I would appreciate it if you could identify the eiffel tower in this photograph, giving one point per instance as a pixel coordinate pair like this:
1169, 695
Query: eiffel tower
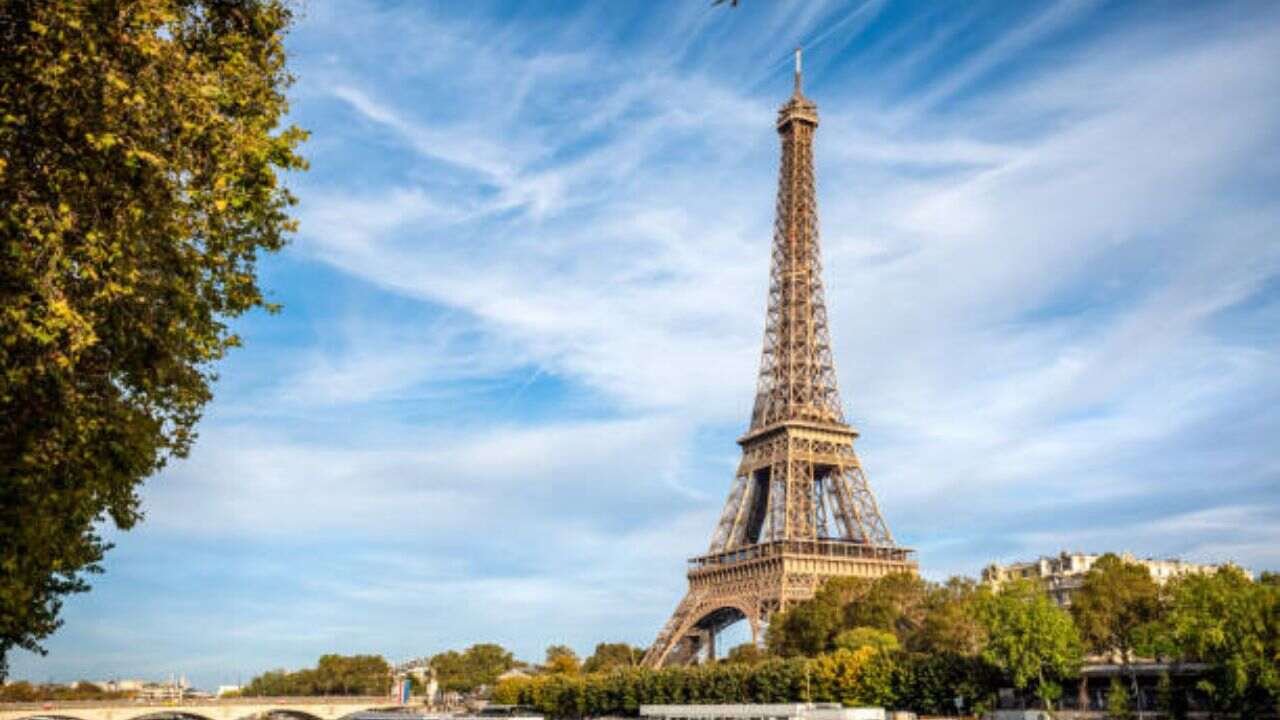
800, 510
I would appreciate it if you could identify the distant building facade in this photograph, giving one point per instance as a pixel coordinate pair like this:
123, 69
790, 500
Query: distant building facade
170, 689
1063, 574
121, 686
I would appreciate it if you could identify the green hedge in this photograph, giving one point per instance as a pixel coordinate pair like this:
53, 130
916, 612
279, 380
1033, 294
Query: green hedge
924, 683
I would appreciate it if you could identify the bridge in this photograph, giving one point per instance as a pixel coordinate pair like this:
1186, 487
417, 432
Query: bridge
301, 708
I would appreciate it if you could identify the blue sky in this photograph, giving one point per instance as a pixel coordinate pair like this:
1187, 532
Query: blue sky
523, 313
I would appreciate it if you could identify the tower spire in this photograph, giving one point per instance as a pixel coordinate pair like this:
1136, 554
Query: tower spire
798, 74
797, 373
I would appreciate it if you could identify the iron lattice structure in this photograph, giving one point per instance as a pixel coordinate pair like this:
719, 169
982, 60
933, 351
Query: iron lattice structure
800, 509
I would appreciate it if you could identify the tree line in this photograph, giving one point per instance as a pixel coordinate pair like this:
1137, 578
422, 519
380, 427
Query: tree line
23, 691
903, 642
477, 668
332, 675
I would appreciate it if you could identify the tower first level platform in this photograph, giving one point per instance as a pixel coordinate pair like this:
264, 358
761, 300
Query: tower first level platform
753, 583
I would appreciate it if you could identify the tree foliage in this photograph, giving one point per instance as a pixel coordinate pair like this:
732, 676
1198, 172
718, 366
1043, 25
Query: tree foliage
478, 665
608, 656
922, 616
26, 692
950, 623
866, 637
562, 660
895, 603
862, 677
1118, 705
1233, 624
1115, 606
955, 640
1031, 640
140, 156
332, 675
808, 628
748, 653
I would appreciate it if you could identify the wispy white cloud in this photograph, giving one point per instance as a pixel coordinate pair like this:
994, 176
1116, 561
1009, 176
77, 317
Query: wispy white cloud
968, 305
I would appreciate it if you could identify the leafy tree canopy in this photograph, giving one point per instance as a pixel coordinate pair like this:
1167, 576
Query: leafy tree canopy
22, 691
478, 665
562, 660
922, 616
895, 603
1115, 606
925, 683
333, 675
1232, 623
748, 653
809, 627
866, 637
1031, 640
140, 161
950, 624
611, 655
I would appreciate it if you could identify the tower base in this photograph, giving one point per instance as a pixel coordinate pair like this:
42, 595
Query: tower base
754, 582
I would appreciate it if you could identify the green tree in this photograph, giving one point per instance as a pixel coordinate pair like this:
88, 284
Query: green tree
925, 617
140, 157
1031, 640
929, 683
1233, 624
352, 675
949, 624
81, 690
839, 676
809, 627
512, 691
748, 653
478, 665
562, 660
608, 656
1115, 606
1118, 707
1115, 609
803, 630
451, 671
895, 603
866, 637
332, 675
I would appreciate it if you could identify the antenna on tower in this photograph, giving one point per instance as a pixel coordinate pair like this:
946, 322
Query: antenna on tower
797, 71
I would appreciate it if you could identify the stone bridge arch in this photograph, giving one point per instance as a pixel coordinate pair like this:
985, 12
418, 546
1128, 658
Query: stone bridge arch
141, 713
243, 709
35, 714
